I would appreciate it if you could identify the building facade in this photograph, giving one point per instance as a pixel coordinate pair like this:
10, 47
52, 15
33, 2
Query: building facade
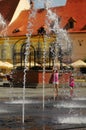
71, 18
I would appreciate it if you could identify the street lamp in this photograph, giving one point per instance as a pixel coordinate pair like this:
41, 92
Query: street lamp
60, 56
39, 54
41, 33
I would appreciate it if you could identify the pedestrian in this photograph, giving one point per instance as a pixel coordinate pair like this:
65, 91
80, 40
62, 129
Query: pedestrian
55, 82
71, 84
10, 79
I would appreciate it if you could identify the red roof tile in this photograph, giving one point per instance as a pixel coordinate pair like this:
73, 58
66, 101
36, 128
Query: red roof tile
21, 23
75, 9
7, 8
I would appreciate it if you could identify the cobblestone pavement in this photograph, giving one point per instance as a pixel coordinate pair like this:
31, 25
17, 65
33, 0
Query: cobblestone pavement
6, 92
57, 115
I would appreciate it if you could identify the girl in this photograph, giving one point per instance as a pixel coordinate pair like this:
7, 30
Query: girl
55, 82
71, 84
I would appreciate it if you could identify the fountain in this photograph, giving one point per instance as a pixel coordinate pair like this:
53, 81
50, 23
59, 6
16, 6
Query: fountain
27, 51
39, 111
2, 22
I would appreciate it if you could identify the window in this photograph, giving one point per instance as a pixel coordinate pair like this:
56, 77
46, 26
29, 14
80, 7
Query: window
84, 28
16, 30
70, 24
41, 31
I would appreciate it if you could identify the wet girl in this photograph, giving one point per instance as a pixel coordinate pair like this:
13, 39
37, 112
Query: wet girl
71, 84
55, 82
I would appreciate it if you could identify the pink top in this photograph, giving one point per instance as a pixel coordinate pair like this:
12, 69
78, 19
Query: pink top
71, 82
55, 77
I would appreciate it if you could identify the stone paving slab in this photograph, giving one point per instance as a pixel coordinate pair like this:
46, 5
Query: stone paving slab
6, 92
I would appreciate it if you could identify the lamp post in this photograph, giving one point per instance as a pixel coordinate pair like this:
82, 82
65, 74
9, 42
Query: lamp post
60, 57
39, 53
41, 33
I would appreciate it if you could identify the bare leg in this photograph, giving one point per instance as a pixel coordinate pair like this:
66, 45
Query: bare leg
71, 92
55, 91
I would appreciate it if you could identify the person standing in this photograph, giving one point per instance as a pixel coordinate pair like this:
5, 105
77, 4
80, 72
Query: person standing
55, 82
71, 84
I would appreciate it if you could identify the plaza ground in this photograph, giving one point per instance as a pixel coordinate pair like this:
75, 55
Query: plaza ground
52, 117
7, 92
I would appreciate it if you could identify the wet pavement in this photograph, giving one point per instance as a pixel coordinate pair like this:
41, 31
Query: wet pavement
65, 113
17, 92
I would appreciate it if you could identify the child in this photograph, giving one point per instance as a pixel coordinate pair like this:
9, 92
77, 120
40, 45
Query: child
71, 84
55, 82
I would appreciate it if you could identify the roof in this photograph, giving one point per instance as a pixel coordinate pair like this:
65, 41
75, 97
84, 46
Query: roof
7, 9
74, 9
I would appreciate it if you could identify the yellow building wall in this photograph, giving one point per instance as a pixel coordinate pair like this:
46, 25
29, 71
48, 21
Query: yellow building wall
78, 46
78, 41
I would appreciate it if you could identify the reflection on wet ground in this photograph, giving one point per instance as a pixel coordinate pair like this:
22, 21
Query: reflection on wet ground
62, 114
